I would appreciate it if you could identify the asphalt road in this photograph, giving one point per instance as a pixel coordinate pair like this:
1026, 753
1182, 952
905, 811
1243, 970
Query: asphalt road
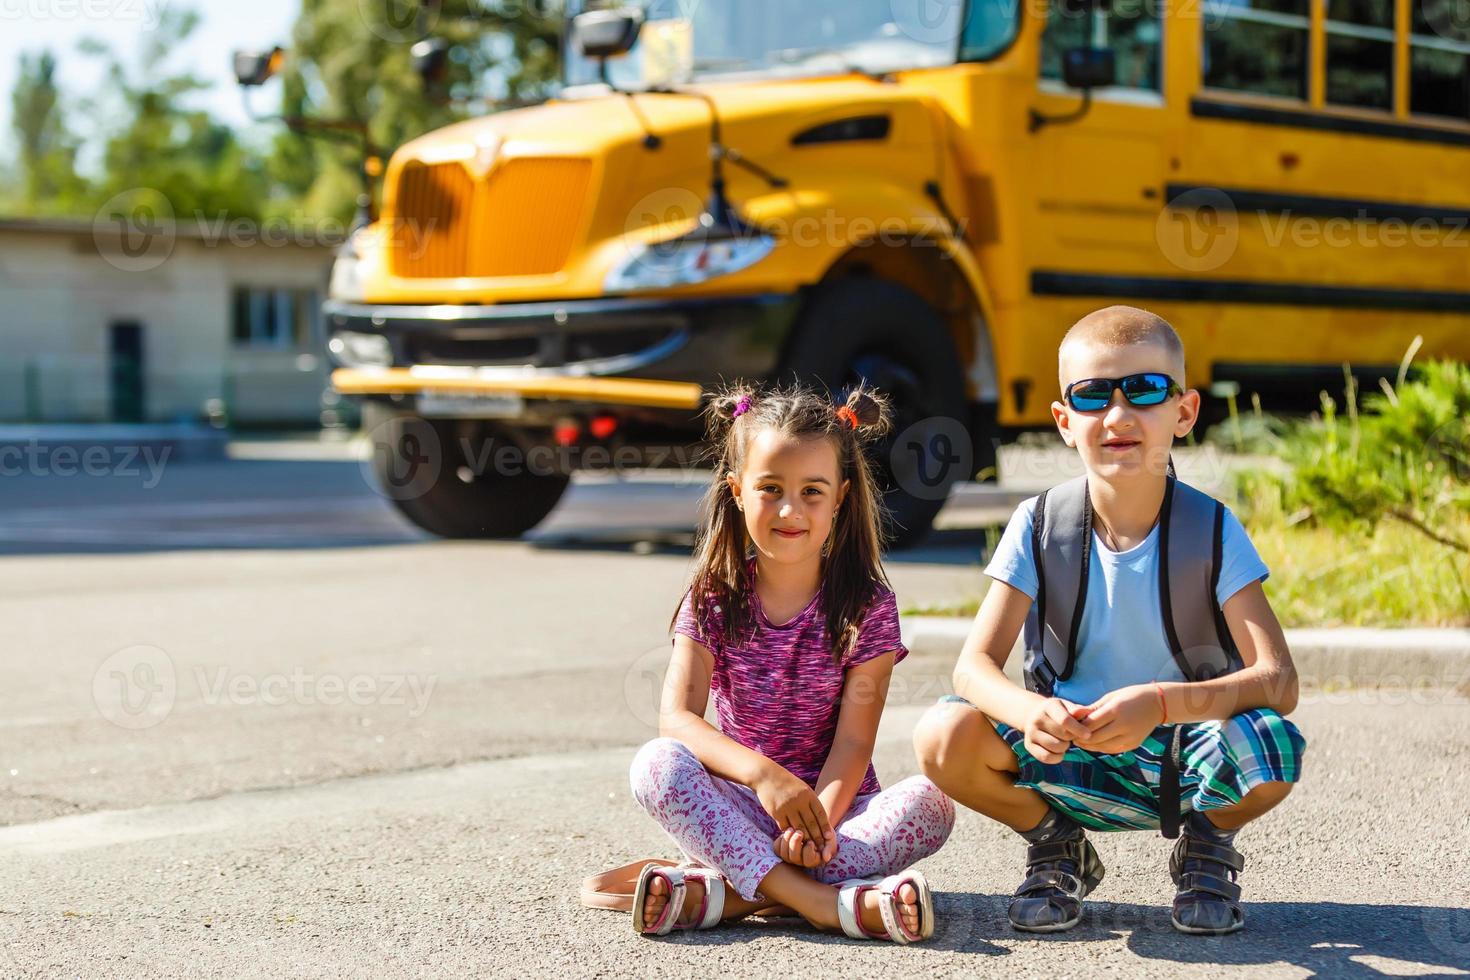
259, 726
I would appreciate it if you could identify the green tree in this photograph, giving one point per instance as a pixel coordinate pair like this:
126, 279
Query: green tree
48, 182
351, 60
158, 141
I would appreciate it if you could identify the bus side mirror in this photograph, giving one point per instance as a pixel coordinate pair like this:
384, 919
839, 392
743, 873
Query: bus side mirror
602, 34
430, 59
255, 68
1086, 68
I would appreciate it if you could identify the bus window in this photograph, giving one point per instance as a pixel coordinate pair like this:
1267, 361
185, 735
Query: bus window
1257, 46
989, 29
1360, 45
1130, 28
1439, 59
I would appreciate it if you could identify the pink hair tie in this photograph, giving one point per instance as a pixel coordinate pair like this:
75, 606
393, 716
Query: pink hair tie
741, 407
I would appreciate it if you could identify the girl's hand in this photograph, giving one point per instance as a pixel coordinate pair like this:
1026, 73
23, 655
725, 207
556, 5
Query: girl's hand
1052, 728
1120, 720
793, 848
794, 806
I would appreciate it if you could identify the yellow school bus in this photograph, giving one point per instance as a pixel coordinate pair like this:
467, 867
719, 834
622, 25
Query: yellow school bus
923, 193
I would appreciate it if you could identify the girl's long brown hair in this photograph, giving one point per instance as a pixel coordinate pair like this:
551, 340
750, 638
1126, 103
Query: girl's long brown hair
853, 570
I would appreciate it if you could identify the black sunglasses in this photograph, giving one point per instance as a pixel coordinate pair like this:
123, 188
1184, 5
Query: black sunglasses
1095, 394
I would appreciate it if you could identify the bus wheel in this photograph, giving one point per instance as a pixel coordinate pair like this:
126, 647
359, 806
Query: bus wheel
442, 474
880, 332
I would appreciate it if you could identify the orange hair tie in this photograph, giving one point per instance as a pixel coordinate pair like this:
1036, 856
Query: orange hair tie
849, 416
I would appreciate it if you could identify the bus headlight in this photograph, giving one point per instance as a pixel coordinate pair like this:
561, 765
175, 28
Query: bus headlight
346, 281
360, 350
686, 262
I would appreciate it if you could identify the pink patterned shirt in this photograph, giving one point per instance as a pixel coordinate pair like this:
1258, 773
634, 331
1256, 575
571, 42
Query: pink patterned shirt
778, 692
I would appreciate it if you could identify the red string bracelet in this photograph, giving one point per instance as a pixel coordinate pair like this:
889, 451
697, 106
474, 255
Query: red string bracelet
1163, 705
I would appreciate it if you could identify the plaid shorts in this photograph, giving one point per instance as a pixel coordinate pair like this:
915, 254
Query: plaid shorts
1219, 762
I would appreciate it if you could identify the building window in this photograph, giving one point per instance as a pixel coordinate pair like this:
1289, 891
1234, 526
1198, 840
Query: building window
1360, 45
1130, 28
1258, 46
1439, 59
281, 319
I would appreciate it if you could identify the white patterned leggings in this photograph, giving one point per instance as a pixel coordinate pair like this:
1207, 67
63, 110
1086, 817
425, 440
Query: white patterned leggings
720, 824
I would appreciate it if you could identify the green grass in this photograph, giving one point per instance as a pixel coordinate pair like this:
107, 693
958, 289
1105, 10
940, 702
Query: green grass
1390, 576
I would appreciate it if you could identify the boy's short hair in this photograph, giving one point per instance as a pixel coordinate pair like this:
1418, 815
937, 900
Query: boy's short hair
1123, 326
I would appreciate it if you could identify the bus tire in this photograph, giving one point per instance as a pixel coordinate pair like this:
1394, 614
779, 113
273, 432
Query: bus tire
424, 467
888, 335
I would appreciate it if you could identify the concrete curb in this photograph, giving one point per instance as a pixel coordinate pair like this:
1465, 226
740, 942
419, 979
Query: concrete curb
38, 444
1326, 659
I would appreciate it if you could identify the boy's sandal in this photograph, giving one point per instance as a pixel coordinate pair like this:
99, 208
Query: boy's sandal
850, 892
1059, 874
1208, 899
710, 911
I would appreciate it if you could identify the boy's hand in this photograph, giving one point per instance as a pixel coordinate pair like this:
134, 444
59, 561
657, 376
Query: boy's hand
793, 848
794, 805
1120, 720
1052, 728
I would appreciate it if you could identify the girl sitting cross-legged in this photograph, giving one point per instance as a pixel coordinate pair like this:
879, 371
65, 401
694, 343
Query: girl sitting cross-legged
790, 625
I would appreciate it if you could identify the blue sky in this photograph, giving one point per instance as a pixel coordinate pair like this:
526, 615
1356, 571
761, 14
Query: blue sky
60, 24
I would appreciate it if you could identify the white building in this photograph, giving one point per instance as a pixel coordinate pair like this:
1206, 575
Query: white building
110, 322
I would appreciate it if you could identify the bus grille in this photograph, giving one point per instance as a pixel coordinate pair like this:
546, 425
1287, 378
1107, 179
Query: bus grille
521, 220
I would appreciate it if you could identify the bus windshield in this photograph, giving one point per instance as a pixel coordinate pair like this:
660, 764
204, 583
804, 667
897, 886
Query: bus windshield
683, 40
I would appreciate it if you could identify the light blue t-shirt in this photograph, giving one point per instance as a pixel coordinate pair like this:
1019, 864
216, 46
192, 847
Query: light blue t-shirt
1121, 640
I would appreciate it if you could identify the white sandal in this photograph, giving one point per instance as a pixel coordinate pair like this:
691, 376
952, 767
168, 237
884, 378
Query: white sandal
711, 910
849, 892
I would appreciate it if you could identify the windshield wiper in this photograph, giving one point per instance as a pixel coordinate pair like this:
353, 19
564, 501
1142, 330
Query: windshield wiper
798, 57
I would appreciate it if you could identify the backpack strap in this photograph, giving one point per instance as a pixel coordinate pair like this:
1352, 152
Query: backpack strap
1191, 544
1061, 541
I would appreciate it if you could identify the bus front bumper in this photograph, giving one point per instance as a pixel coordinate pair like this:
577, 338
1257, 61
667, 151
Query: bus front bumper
654, 353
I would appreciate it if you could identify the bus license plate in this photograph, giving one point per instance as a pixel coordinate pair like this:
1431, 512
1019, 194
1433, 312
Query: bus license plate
435, 405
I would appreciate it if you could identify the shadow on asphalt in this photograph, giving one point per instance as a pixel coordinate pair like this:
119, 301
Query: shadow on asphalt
953, 546
1328, 939
314, 504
